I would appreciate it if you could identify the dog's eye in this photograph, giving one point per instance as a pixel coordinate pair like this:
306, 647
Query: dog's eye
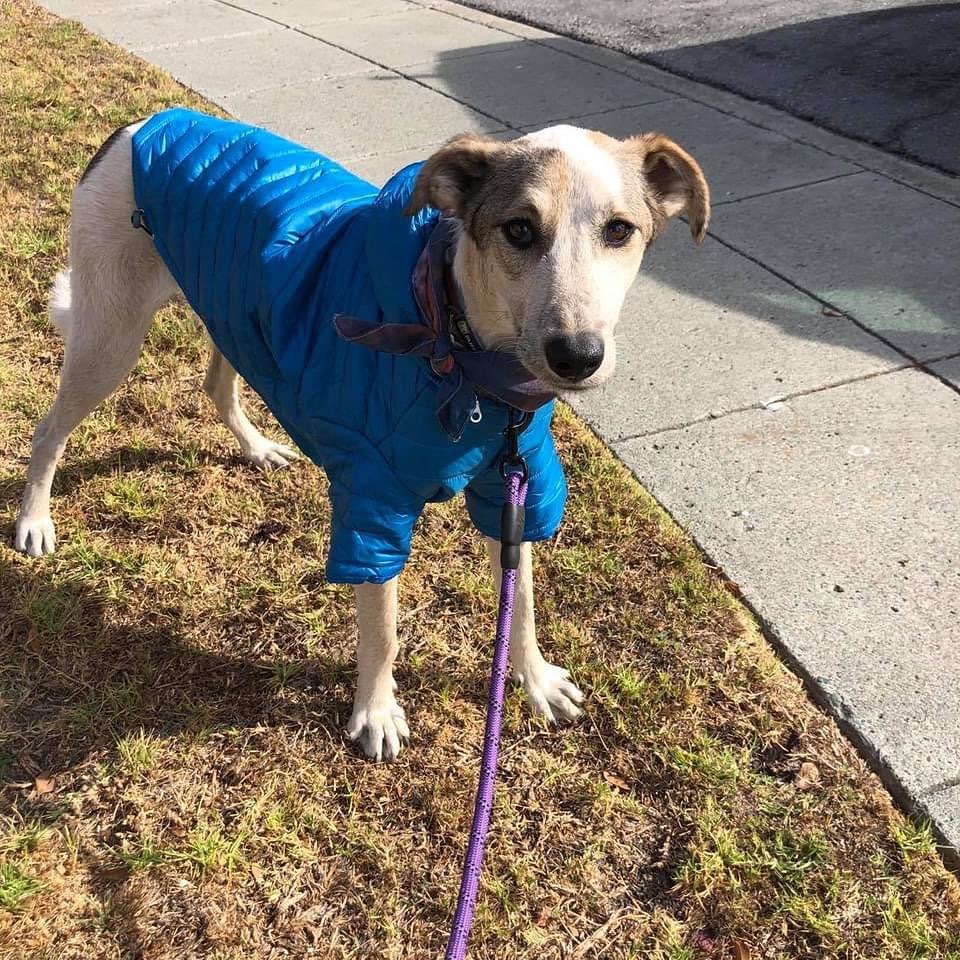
617, 232
519, 233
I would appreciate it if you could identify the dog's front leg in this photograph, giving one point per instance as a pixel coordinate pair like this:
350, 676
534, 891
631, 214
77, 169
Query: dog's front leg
378, 723
550, 690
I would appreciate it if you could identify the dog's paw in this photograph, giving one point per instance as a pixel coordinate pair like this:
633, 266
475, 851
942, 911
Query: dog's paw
269, 455
379, 731
35, 536
551, 693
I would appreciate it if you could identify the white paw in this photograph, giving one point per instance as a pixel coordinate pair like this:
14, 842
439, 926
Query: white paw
35, 535
268, 455
379, 731
551, 692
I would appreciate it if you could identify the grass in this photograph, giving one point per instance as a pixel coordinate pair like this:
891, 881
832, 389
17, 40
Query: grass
182, 672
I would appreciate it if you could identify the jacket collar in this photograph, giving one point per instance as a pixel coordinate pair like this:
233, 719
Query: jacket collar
393, 244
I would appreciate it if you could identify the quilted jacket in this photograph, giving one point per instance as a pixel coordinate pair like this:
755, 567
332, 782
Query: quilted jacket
268, 241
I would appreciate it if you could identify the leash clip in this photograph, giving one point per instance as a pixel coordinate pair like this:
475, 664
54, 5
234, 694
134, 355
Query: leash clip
512, 461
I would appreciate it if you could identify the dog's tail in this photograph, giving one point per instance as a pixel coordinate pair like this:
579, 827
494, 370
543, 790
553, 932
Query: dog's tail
60, 301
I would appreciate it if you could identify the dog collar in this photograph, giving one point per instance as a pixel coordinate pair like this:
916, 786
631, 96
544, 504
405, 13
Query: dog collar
437, 293
446, 289
463, 369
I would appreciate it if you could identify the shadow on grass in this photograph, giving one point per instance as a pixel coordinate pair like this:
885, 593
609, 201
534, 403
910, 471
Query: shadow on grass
76, 679
73, 472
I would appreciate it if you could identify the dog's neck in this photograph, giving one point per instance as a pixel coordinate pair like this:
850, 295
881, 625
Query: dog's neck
490, 324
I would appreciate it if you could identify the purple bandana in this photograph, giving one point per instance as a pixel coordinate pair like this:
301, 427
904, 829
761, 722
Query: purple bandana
465, 370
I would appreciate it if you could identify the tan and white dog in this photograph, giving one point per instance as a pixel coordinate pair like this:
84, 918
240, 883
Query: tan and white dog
553, 227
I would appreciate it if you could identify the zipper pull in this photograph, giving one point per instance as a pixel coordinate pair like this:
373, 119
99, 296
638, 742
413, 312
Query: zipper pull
476, 414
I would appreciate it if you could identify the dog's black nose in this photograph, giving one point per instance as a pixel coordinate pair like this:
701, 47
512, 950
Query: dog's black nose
574, 356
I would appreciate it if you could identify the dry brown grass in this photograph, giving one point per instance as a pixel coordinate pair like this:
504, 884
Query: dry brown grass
181, 672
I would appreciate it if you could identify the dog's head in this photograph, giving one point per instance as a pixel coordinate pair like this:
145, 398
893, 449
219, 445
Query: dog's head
554, 226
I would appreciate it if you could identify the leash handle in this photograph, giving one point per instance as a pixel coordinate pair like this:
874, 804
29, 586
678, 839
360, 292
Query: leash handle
514, 471
512, 513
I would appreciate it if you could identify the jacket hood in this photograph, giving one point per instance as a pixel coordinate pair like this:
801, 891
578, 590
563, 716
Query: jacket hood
394, 242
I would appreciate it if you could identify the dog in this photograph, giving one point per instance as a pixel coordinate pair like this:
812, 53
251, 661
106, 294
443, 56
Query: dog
541, 238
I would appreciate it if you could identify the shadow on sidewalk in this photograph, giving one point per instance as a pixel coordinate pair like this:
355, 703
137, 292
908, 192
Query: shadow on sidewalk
888, 75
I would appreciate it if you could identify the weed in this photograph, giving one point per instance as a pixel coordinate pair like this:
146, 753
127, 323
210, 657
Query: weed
16, 885
143, 856
209, 850
136, 753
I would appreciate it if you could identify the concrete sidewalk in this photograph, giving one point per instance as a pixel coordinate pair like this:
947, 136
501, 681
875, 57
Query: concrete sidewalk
790, 391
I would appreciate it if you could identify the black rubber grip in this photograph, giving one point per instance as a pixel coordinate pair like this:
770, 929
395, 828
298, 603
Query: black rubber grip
512, 522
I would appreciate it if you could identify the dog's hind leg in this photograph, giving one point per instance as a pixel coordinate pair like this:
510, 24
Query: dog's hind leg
100, 349
222, 385
103, 304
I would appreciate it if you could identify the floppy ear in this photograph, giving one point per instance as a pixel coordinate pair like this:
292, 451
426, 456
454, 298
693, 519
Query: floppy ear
677, 179
450, 175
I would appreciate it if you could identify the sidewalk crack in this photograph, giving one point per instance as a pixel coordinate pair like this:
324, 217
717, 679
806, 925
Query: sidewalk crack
913, 361
787, 189
759, 405
939, 787
813, 296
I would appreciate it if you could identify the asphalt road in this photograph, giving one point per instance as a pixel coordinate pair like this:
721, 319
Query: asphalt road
884, 72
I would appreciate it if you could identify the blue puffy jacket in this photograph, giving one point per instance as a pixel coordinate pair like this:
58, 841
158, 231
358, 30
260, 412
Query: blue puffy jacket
268, 240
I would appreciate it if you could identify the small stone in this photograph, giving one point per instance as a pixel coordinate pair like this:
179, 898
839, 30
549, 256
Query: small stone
809, 776
44, 785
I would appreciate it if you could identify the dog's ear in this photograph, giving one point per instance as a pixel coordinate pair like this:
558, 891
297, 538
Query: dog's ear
676, 178
449, 176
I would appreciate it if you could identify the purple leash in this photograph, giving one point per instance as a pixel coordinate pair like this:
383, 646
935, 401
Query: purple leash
514, 472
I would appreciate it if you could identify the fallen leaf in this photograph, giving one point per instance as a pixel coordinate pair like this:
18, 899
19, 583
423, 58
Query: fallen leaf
809, 776
741, 950
268, 532
616, 781
704, 942
830, 312
543, 918
44, 785
175, 825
